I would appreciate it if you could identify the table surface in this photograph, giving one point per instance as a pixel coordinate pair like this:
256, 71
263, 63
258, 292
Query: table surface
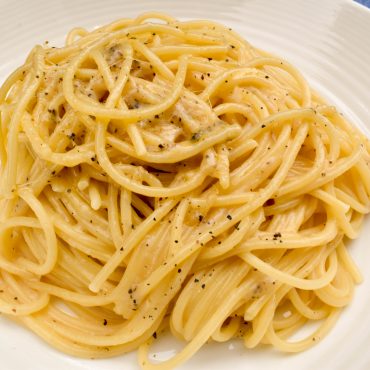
364, 2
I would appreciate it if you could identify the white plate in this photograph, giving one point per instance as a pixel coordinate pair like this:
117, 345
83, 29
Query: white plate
328, 40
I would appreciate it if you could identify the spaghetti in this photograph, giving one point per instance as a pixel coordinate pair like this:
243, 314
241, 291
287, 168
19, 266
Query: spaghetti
168, 175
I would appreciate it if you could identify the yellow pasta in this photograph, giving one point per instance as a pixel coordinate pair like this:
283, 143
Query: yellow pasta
166, 175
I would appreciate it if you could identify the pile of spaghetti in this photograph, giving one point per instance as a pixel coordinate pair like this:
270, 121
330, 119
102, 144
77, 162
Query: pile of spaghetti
168, 175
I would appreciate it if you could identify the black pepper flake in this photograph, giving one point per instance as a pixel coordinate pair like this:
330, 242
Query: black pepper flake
277, 235
179, 270
161, 146
156, 116
176, 241
121, 249
195, 136
203, 286
196, 280
105, 322
200, 218
263, 126
210, 59
269, 202
155, 335
229, 217
267, 76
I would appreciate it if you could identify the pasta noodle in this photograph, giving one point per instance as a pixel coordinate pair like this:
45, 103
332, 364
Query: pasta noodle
165, 175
